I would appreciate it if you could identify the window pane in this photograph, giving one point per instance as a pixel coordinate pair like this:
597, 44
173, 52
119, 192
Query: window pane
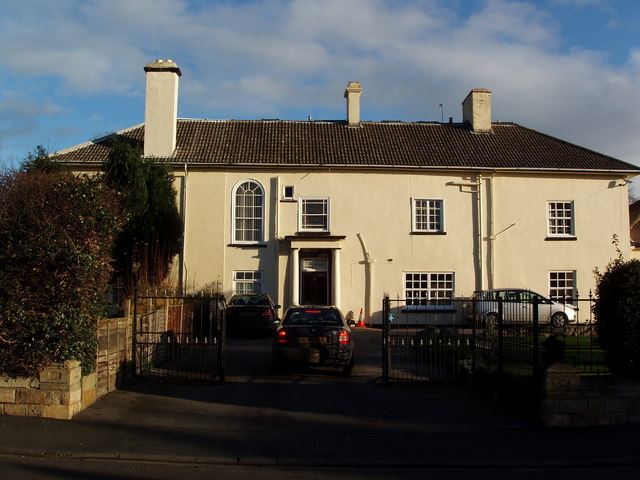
560, 216
247, 281
428, 215
428, 288
314, 214
248, 212
562, 286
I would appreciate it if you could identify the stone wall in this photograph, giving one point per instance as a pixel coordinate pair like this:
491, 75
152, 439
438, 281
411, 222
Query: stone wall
60, 391
569, 399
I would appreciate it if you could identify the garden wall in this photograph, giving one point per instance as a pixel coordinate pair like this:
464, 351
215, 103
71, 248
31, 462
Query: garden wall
60, 391
569, 399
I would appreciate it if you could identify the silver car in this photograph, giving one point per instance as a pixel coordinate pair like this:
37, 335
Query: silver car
517, 307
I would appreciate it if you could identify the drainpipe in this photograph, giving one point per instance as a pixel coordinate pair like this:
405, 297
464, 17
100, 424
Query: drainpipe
183, 266
479, 226
277, 243
492, 238
477, 189
368, 278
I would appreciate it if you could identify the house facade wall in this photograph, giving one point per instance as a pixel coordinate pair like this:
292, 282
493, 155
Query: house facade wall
499, 241
600, 212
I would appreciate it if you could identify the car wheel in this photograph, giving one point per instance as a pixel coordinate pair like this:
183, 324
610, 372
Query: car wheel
348, 368
558, 320
491, 320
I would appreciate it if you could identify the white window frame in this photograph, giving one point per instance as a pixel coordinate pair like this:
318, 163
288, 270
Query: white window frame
557, 219
237, 220
284, 192
303, 201
427, 291
434, 207
563, 286
243, 278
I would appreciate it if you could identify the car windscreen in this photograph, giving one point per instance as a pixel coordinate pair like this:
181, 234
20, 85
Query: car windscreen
319, 316
248, 300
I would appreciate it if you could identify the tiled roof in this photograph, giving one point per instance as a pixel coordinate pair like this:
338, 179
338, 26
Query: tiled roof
634, 223
375, 144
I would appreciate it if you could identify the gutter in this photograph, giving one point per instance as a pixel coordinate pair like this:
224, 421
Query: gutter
461, 168
627, 173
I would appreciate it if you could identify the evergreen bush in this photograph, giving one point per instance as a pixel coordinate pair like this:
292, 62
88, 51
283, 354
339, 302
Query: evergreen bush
617, 313
152, 234
56, 239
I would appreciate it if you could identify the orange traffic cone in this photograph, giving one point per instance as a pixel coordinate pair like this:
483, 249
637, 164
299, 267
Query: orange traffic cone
360, 321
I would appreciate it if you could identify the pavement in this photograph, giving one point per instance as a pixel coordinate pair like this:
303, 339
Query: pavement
309, 419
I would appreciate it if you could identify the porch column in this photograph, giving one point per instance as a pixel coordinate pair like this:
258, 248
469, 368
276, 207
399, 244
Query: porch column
335, 269
295, 276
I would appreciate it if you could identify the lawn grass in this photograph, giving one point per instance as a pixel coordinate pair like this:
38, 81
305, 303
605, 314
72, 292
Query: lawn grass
580, 351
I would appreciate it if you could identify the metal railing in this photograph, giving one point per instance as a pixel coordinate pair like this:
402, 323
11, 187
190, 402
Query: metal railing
508, 340
428, 345
179, 338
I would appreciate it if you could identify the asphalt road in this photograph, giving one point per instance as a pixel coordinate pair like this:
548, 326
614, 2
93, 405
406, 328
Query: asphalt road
307, 424
26, 468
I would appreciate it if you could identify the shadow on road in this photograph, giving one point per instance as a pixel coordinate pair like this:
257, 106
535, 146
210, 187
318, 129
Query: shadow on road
249, 357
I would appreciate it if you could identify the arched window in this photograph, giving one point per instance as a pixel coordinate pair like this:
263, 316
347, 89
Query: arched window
248, 212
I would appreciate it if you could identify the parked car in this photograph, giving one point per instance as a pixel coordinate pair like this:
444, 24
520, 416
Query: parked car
252, 313
311, 336
517, 307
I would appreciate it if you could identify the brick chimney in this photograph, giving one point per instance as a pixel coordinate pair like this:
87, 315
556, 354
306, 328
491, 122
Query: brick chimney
161, 108
352, 94
476, 110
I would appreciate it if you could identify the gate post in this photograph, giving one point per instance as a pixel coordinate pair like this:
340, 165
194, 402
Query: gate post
134, 332
474, 337
536, 339
500, 340
386, 311
222, 332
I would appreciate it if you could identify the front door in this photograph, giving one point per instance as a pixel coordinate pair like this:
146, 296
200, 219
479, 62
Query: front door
314, 280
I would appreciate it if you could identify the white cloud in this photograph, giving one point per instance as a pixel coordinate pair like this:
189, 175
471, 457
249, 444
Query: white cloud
272, 58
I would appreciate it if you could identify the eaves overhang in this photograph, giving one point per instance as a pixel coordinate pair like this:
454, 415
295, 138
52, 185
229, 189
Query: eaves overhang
351, 166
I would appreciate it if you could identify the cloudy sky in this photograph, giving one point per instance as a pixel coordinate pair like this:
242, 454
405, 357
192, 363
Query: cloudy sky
73, 69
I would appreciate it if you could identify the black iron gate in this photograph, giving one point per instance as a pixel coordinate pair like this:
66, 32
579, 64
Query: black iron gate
178, 338
420, 344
